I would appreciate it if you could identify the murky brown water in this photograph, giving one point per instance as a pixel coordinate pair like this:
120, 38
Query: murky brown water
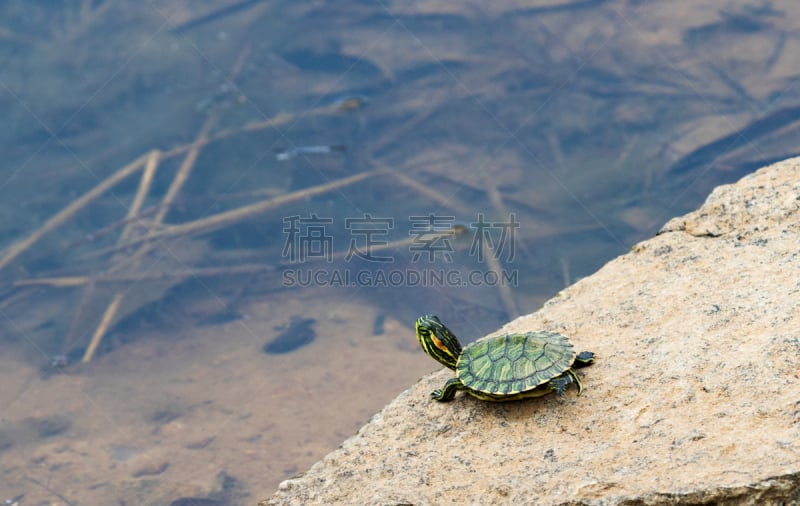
547, 138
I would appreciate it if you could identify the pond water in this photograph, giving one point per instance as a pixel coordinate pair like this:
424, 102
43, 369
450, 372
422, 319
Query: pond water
221, 219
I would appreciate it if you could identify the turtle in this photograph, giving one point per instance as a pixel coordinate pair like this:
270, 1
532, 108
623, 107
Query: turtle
502, 367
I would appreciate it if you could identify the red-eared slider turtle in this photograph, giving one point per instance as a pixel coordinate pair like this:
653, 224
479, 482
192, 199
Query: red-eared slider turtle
502, 367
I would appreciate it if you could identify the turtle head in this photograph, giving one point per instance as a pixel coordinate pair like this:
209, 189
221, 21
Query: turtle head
438, 341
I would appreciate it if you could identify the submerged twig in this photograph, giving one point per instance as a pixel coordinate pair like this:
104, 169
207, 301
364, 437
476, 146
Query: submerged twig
214, 15
217, 221
423, 190
111, 311
86, 297
69, 211
70, 281
564, 261
506, 296
105, 323
144, 186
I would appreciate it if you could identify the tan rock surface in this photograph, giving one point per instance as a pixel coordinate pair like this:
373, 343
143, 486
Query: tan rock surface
694, 398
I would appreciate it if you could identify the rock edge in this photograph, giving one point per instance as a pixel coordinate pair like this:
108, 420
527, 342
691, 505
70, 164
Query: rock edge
694, 398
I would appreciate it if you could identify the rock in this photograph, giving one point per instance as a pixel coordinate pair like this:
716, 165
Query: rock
694, 397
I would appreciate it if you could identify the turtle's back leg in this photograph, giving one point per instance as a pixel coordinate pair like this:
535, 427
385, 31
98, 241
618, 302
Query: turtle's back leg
574, 377
560, 383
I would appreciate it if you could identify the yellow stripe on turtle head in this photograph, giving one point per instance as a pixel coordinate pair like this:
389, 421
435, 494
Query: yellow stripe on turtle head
438, 341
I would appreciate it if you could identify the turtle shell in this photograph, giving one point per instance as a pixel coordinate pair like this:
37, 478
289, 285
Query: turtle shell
514, 363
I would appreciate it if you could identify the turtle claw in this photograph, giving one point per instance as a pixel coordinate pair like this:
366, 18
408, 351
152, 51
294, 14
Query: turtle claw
448, 392
558, 385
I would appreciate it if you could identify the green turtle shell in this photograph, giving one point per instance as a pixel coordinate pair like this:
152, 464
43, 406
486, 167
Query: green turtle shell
514, 363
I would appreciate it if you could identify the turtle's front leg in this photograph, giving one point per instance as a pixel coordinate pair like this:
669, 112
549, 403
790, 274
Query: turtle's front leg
449, 390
